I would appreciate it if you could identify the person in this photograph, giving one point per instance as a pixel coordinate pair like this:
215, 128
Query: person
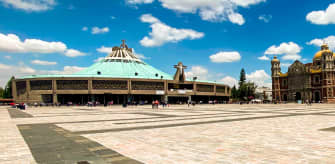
35, 104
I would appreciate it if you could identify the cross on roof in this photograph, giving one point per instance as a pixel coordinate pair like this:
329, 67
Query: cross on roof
123, 43
180, 67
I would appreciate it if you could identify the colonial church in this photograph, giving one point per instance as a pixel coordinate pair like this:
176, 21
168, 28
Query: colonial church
312, 81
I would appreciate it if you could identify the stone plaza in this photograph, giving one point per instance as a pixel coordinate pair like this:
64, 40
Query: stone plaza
285, 133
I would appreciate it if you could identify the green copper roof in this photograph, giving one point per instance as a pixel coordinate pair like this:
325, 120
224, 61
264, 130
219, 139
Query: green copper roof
123, 69
115, 69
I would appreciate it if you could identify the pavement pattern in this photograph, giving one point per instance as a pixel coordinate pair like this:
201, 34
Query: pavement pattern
285, 133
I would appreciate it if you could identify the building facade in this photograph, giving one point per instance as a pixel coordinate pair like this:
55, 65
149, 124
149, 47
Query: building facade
306, 82
120, 77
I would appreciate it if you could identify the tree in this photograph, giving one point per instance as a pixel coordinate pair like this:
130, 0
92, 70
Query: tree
242, 77
234, 92
8, 89
1, 92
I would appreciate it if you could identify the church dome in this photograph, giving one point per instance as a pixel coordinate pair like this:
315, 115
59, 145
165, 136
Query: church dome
275, 59
324, 48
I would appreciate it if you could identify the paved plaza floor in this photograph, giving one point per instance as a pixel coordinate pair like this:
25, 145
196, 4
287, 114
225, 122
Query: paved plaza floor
288, 133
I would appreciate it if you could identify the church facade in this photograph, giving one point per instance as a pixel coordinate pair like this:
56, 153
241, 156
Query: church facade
306, 82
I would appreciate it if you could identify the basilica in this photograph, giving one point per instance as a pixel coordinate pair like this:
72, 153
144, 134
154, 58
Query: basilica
120, 77
314, 82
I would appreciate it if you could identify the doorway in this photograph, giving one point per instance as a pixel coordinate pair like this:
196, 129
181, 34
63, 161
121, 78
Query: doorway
297, 96
317, 97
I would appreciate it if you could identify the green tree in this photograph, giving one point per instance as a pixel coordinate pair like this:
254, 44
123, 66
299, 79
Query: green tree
234, 92
242, 77
1, 92
8, 89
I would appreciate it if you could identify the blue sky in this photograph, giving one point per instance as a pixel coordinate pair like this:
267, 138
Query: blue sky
215, 39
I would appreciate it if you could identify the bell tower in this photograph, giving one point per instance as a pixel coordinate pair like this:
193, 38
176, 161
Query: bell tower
275, 69
327, 64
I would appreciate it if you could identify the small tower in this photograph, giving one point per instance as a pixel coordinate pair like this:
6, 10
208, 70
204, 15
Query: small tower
327, 67
275, 69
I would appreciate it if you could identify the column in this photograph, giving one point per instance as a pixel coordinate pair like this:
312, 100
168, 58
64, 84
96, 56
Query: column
14, 94
28, 90
54, 92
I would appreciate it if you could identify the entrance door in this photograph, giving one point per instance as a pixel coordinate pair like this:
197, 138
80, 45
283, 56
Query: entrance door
297, 96
285, 97
316, 96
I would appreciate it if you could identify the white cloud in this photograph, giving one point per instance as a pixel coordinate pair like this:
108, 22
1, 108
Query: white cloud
4, 67
290, 51
8, 57
11, 43
139, 1
230, 81
322, 17
106, 50
291, 57
225, 57
98, 59
30, 5
73, 53
97, 30
197, 71
41, 62
66, 70
236, 18
285, 64
330, 40
264, 57
265, 18
259, 77
162, 33
84, 28
211, 10
6, 71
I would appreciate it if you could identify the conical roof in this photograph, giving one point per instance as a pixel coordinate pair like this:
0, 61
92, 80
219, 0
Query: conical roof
123, 63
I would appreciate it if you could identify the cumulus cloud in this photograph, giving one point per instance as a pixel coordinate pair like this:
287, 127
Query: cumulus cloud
322, 17
162, 33
11, 43
225, 57
106, 50
8, 57
210, 10
84, 28
41, 62
265, 18
98, 59
197, 71
73, 53
264, 57
97, 30
67, 70
290, 51
7, 71
139, 1
330, 40
30, 5
259, 77
230, 81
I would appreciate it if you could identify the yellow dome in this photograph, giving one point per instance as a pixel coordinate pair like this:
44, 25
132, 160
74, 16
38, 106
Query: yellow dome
275, 59
319, 54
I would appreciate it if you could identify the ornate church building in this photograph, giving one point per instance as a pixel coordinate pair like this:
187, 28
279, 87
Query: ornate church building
312, 81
